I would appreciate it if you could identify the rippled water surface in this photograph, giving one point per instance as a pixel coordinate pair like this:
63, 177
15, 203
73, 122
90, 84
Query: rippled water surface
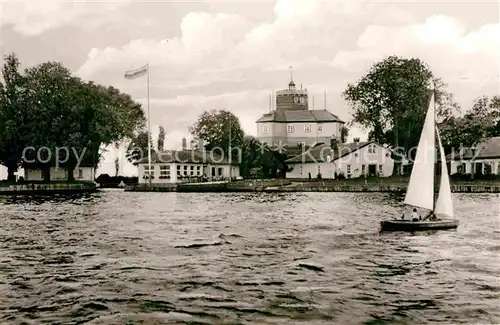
299, 258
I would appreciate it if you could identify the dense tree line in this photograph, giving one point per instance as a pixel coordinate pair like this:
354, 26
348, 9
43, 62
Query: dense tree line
45, 106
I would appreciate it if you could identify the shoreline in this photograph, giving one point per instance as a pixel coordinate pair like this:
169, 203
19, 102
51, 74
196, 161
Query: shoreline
284, 186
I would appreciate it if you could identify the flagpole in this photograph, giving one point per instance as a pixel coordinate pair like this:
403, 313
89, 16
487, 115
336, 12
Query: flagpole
230, 160
149, 128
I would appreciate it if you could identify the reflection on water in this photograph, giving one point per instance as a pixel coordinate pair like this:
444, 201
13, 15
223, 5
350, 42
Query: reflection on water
186, 258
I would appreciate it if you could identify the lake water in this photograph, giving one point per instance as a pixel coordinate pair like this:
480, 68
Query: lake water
296, 258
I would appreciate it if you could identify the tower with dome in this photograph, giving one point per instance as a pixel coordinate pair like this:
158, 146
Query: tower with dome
292, 122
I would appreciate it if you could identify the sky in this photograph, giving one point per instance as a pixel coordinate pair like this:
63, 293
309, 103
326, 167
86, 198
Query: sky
231, 55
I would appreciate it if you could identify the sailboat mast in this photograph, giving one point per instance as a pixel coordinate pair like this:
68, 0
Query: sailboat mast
433, 94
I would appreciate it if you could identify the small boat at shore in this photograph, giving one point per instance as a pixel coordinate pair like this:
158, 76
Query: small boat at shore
420, 192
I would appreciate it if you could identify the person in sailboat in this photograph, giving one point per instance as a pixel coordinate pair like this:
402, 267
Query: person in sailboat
415, 216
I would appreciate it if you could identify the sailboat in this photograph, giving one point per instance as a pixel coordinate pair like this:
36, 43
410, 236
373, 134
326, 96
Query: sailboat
420, 192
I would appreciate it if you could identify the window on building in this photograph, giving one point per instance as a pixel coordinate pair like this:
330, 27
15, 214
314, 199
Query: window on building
307, 128
380, 170
186, 170
165, 171
80, 173
363, 169
265, 128
301, 170
320, 127
348, 169
148, 172
289, 128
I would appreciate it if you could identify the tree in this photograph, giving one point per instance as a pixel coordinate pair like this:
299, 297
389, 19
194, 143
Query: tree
161, 139
138, 148
76, 114
273, 164
13, 109
391, 101
218, 129
251, 155
344, 133
117, 160
53, 109
50, 115
479, 123
117, 166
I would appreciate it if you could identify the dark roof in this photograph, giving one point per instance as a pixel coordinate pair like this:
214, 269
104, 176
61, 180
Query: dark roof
188, 157
488, 148
320, 152
319, 115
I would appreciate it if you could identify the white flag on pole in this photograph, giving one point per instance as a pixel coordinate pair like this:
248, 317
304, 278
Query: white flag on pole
132, 74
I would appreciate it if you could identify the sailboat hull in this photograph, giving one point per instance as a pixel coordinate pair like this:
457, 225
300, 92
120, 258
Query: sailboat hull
408, 225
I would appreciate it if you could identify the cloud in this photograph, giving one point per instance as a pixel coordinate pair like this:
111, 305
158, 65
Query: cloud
468, 62
32, 18
220, 45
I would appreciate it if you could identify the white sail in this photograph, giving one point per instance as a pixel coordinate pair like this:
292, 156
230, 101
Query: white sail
420, 192
444, 204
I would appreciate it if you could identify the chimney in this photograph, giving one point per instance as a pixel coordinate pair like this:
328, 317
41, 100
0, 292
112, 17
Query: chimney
300, 86
201, 145
184, 144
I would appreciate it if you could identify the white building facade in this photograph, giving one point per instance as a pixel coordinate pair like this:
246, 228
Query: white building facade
186, 166
61, 174
482, 160
350, 160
